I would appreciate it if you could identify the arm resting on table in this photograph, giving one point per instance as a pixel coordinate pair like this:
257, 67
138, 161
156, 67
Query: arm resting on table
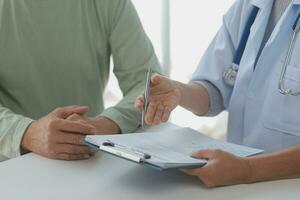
280, 165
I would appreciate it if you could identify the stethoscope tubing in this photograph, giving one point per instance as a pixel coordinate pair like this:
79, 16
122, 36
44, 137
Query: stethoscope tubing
281, 85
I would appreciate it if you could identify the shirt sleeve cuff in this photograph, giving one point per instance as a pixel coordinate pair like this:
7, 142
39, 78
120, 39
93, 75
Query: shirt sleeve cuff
18, 137
215, 98
127, 120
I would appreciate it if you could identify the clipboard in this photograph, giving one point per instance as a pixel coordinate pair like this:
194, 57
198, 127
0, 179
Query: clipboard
140, 157
166, 149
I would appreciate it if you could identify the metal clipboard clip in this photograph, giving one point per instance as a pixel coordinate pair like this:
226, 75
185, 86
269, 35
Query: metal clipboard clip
124, 152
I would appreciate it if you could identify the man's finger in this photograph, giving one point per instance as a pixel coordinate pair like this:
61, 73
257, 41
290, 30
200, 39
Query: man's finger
74, 117
74, 149
69, 138
65, 156
67, 111
75, 127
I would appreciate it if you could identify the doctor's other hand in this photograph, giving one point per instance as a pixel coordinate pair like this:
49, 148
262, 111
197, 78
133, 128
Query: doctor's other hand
164, 98
55, 137
222, 169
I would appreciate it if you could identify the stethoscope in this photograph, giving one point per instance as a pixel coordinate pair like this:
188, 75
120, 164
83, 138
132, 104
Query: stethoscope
230, 74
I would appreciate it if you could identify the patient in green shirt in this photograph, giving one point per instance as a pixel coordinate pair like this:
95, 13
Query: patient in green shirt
55, 56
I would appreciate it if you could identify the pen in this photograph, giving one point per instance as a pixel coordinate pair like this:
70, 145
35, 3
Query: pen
146, 96
109, 143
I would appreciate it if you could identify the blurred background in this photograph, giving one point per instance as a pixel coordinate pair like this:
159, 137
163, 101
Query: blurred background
180, 31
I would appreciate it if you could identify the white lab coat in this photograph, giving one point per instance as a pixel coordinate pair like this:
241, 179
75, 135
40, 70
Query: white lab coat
259, 116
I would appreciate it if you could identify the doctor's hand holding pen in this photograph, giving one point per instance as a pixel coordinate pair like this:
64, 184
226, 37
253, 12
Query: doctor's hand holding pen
166, 95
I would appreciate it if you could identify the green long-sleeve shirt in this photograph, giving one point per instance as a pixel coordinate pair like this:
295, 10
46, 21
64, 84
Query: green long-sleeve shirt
56, 53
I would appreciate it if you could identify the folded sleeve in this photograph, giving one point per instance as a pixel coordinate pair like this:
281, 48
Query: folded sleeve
215, 98
132, 54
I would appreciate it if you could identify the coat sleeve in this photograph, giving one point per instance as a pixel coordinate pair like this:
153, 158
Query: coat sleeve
219, 56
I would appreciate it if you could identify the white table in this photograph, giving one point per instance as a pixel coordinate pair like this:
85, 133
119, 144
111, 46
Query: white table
105, 177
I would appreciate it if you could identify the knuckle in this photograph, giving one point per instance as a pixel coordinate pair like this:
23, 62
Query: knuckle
53, 124
57, 109
49, 138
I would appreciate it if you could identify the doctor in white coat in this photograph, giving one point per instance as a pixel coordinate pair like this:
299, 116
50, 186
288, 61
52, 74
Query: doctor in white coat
255, 75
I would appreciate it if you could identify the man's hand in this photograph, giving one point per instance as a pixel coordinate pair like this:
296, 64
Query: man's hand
55, 137
103, 125
222, 169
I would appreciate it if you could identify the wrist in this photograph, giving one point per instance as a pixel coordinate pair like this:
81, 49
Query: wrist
25, 144
249, 172
179, 87
105, 125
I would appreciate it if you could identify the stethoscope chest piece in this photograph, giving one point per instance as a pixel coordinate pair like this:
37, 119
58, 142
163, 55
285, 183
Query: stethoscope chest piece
230, 74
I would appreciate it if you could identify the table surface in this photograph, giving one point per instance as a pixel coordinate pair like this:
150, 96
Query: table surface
107, 177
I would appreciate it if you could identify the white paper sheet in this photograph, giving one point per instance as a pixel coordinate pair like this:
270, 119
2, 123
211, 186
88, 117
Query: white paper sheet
171, 149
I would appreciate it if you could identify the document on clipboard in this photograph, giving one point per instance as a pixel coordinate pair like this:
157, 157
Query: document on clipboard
166, 149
